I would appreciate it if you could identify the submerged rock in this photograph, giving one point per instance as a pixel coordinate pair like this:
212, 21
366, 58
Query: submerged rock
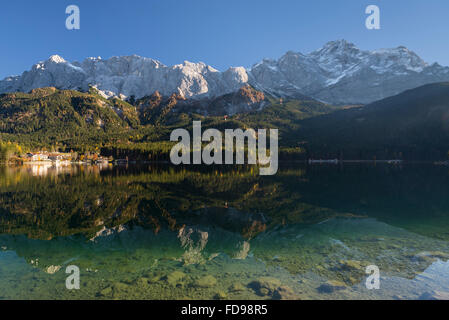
265, 286
353, 280
142, 281
351, 265
52, 269
432, 256
105, 292
175, 278
221, 295
120, 286
332, 286
236, 287
285, 293
435, 295
154, 279
205, 282
439, 255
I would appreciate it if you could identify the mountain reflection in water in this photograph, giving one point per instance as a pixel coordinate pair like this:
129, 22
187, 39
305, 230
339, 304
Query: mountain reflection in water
162, 232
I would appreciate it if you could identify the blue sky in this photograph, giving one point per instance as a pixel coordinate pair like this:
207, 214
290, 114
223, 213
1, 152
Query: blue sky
221, 33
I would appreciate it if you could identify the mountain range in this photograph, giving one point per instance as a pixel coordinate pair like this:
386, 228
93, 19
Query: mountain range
336, 102
339, 73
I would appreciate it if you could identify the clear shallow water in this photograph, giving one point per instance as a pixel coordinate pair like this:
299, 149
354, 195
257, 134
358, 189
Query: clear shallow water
207, 233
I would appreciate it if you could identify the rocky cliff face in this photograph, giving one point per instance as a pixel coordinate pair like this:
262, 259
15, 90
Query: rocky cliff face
245, 99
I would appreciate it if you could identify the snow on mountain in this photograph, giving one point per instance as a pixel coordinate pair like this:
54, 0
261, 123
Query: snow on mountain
337, 73
127, 76
340, 73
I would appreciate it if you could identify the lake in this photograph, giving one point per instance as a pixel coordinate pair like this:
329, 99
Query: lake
225, 232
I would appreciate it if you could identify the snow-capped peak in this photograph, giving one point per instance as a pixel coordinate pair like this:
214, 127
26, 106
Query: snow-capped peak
56, 59
338, 46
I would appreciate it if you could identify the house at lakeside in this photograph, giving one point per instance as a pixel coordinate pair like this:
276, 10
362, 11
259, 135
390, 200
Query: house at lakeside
46, 156
41, 156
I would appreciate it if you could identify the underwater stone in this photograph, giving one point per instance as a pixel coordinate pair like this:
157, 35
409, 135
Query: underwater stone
221, 295
142, 281
236, 287
105, 292
175, 277
52, 269
432, 256
353, 280
435, 295
205, 282
332, 286
285, 293
264, 292
351, 265
120, 286
440, 255
265, 286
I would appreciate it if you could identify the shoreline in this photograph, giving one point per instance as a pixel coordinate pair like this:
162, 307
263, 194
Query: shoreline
307, 162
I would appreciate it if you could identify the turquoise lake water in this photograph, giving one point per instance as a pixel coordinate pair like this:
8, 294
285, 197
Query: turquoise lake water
162, 232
